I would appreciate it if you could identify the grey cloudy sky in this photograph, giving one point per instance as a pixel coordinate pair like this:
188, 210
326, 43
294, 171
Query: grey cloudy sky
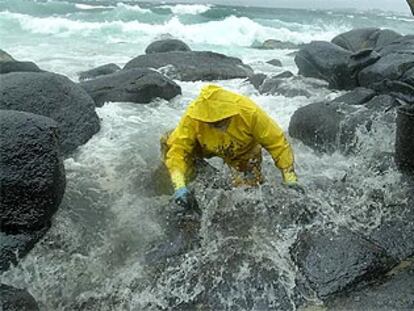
385, 5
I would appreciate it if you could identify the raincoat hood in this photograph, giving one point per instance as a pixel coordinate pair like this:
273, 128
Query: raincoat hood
214, 104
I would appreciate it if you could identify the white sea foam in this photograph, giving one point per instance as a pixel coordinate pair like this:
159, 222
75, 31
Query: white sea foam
135, 8
82, 6
234, 31
192, 9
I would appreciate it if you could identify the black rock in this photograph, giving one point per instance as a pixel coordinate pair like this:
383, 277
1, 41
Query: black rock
257, 79
15, 246
332, 126
334, 261
134, 85
392, 66
365, 38
404, 45
14, 299
362, 59
395, 236
5, 57
54, 96
167, 45
32, 176
270, 85
284, 75
317, 125
15, 66
275, 62
193, 66
279, 86
326, 61
99, 71
358, 96
404, 143
272, 44
393, 292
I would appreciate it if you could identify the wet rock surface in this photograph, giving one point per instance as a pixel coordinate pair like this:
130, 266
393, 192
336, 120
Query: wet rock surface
15, 66
273, 44
317, 126
56, 97
357, 96
328, 62
332, 126
13, 247
257, 79
15, 299
365, 38
99, 71
393, 292
134, 85
333, 261
167, 45
275, 62
32, 176
404, 143
193, 66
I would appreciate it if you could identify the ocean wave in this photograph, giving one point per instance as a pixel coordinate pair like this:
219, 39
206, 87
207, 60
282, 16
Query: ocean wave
82, 6
135, 8
238, 31
192, 9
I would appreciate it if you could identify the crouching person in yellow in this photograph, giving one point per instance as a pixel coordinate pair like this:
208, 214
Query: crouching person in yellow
231, 126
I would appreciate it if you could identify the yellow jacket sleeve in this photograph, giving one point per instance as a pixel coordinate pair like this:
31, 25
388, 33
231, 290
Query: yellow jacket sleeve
269, 134
179, 156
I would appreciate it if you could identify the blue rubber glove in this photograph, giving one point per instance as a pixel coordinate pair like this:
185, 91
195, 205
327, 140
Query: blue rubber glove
181, 196
185, 199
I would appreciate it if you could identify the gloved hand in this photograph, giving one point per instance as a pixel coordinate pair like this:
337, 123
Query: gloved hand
290, 179
185, 199
181, 196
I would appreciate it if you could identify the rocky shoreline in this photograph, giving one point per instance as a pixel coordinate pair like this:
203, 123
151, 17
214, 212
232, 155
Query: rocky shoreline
45, 117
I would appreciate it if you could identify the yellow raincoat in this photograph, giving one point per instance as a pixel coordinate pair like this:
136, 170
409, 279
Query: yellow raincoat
249, 129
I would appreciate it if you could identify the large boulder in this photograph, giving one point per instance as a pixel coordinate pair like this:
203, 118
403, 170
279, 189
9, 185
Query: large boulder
32, 176
403, 45
392, 74
9, 64
167, 45
15, 66
317, 125
134, 85
331, 126
54, 96
99, 71
5, 57
15, 299
394, 292
326, 61
365, 38
333, 261
358, 96
404, 143
193, 66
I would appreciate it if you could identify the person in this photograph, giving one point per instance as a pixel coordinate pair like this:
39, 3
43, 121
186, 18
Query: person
231, 126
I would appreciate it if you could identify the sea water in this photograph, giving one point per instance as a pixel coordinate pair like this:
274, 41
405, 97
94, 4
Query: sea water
113, 210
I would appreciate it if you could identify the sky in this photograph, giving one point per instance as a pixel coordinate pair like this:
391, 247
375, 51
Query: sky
385, 5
